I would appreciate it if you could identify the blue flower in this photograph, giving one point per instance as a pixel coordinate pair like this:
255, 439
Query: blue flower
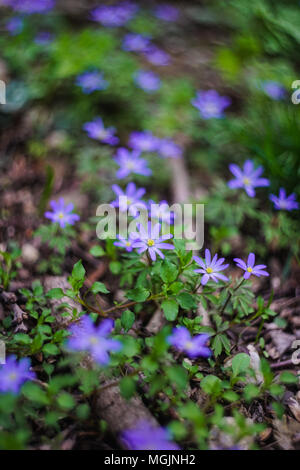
148, 81
13, 374
211, 268
247, 178
194, 347
284, 202
86, 337
130, 162
91, 81
146, 436
211, 104
62, 214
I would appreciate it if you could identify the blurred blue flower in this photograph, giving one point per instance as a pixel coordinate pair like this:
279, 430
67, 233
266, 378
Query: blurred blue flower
143, 141
91, 81
62, 214
44, 38
156, 56
211, 104
114, 15
284, 202
167, 12
130, 162
15, 26
87, 337
135, 42
130, 199
14, 374
147, 80
146, 436
194, 347
96, 130
247, 178
168, 149
274, 90
30, 6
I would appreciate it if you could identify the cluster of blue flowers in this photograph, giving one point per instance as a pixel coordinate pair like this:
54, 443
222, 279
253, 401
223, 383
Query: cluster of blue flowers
249, 178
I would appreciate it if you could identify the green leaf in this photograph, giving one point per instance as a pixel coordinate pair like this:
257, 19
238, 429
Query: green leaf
34, 393
127, 387
99, 287
78, 271
251, 391
288, 378
115, 267
240, 363
77, 277
56, 293
50, 349
139, 294
168, 272
127, 320
211, 385
186, 301
170, 309
177, 376
65, 401
97, 251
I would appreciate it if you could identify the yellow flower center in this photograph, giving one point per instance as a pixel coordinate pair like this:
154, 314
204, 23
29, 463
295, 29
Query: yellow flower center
61, 215
128, 244
188, 345
13, 376
94, 340
209, 270
246, 181
249, 270
150, 242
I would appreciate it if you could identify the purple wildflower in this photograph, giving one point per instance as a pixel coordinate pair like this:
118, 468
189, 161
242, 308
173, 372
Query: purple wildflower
274, 90
13, 374
126, 242
194, 347
130, 199
96, 130
44, 38
130, 162
211, 268
91, 81
148, 81
31, 6
62, 214
168, 149
247, 178
284, 202
167, 12
135, 42
156, 56
14, 26
143, 141
211, 104
249, 268
87, 337
161, 212
146, 436
151, 241
114, 15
